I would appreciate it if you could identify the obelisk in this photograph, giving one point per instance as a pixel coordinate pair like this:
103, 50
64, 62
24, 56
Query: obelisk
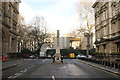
57, 54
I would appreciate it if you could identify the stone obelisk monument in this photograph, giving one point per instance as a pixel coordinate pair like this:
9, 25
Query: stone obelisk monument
57, 54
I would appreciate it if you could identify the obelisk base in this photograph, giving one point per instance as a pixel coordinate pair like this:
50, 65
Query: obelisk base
58, 58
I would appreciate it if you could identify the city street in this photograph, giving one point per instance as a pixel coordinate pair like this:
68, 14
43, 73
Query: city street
43, 69
60, 39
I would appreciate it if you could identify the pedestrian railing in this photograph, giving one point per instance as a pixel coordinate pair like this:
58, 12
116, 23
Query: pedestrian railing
115, 65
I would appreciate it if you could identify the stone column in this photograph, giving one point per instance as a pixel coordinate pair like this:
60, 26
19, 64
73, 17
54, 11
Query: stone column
57, 54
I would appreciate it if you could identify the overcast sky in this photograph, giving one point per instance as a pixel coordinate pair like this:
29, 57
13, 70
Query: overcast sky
59, 14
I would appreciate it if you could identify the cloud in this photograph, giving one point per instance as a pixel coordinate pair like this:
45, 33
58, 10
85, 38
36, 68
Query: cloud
41, 1
61, 15
26, 11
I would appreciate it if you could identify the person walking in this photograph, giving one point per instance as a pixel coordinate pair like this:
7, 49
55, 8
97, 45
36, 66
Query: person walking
62, 59
53, 59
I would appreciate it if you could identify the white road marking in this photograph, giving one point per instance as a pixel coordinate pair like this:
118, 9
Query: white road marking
15, 76
21, 72
25, 70
16, 73
19, 65
32, 65
53, 77
10, 76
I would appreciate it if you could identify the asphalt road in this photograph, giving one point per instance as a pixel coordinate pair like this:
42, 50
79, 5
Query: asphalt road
72, 69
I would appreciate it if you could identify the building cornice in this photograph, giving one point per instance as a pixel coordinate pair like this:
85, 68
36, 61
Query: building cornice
106, 40
6, 24
14, 8
94, 5
14, 33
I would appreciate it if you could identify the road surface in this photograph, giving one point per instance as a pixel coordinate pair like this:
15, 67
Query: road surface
41, 69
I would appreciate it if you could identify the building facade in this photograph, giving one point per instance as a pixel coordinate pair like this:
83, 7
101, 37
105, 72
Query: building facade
107, 27
9, 13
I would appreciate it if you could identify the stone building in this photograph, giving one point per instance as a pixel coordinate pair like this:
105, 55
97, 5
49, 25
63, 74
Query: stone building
107, 27
9, 13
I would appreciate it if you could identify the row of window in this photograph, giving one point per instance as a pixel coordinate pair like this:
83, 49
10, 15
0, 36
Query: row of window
104, 48
9, 10
104, 15
102, 32
8, 14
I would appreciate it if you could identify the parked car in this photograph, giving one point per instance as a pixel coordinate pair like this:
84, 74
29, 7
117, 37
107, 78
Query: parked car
78, 56
89, 56
26, 55
3, 58
32, 56
81, 56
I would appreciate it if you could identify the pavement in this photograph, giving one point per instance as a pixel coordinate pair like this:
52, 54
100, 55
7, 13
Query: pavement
12, 63
102, 67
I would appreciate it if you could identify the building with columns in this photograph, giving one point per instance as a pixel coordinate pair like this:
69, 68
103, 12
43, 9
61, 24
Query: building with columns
107, 27
9, 21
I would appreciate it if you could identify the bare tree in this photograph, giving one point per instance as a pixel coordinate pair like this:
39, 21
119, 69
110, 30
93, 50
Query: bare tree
39, 32
86, 16
21, 32
24, 37
87, 22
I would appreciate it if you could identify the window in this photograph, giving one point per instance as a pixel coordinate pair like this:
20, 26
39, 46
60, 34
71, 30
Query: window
14, 25
14, 15
103, 15
98, 34
15, 4
9, 9
118, 47
98, 49
106, 14
97, 8
113, 9
97, 21
0, 12
104, 49
104, 32
3, 7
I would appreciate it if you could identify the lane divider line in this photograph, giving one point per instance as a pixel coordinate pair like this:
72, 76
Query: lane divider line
53, 77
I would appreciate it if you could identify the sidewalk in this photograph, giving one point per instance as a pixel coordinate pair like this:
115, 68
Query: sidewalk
12, 63
112, 70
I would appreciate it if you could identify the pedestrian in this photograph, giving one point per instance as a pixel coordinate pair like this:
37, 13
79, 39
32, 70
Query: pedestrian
53, 59
62, 59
